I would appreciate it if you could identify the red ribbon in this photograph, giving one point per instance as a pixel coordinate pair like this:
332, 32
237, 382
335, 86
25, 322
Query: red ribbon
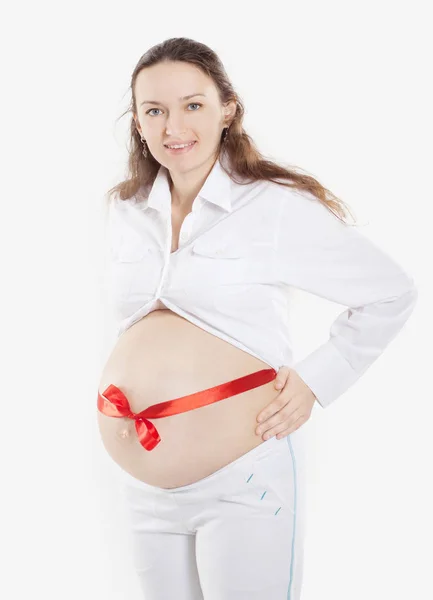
113, 403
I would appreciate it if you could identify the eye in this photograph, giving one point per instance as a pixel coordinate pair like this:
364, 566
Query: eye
191, 104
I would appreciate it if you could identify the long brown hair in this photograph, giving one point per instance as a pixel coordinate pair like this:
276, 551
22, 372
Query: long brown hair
245, 159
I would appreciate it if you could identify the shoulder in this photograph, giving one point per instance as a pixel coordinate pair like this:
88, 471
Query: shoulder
268, 192
293, 203
121, 204
117, 205
305, 220
117, 211
291, 197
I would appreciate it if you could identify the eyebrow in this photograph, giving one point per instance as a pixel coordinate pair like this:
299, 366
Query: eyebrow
180, 99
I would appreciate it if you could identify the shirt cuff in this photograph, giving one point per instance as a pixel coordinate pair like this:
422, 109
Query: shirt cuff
326, 372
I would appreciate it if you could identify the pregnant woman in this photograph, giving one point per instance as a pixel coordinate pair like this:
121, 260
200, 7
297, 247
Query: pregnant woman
206, 241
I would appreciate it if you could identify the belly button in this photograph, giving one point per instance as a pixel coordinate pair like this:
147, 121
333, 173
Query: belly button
124, 433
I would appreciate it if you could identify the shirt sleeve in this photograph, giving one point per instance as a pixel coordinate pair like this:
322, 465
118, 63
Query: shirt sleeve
318, 253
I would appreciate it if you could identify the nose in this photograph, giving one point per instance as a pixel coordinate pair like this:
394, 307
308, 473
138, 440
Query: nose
175, 127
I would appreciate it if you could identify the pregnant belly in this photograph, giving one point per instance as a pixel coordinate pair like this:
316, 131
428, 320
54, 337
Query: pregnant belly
164, 356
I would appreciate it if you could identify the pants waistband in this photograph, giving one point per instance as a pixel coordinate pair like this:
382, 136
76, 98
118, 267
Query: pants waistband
240, 464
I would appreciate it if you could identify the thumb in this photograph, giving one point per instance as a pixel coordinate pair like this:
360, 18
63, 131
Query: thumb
282, 377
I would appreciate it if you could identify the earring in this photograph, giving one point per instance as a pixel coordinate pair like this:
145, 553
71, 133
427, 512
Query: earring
144, 151
226, 132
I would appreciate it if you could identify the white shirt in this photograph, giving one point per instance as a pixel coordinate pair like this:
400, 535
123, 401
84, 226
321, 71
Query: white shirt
242, 249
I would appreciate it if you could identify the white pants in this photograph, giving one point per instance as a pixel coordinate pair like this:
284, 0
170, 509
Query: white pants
235, 535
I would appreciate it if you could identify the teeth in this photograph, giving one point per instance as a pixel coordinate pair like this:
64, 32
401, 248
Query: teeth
181, 146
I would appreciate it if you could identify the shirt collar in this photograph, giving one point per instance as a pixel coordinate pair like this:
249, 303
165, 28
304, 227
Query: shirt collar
218, 188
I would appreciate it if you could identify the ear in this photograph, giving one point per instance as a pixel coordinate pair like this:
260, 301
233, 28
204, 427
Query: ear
229, 112
137, 123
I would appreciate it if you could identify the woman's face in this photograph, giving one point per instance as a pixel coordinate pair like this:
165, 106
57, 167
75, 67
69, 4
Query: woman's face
164, 116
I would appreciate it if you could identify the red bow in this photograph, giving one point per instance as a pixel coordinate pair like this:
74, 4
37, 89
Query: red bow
114, 403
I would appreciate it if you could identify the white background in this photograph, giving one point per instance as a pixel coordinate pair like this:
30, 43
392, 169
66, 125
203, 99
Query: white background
341, 89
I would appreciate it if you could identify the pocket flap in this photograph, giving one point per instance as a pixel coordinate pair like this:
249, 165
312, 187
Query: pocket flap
130, 250
219, 249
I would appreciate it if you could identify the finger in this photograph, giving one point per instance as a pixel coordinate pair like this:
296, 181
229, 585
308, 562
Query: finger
284, 433
281, 418
270, 411
282, 426
278, 410
281, 377
274, 407
293, 427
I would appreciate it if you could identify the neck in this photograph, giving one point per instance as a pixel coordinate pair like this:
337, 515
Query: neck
185, 185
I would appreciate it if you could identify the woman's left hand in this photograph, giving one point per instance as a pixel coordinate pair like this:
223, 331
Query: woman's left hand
290, 409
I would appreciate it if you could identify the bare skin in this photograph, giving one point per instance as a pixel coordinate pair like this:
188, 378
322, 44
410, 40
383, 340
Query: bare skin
164, 356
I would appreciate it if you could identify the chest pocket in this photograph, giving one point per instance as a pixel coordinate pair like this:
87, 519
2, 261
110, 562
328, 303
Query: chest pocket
129, 250
134, 274
218, 249
233, 261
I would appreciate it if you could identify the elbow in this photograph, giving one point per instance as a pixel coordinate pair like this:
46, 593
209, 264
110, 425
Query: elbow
412, 292
406, 302
408, 294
